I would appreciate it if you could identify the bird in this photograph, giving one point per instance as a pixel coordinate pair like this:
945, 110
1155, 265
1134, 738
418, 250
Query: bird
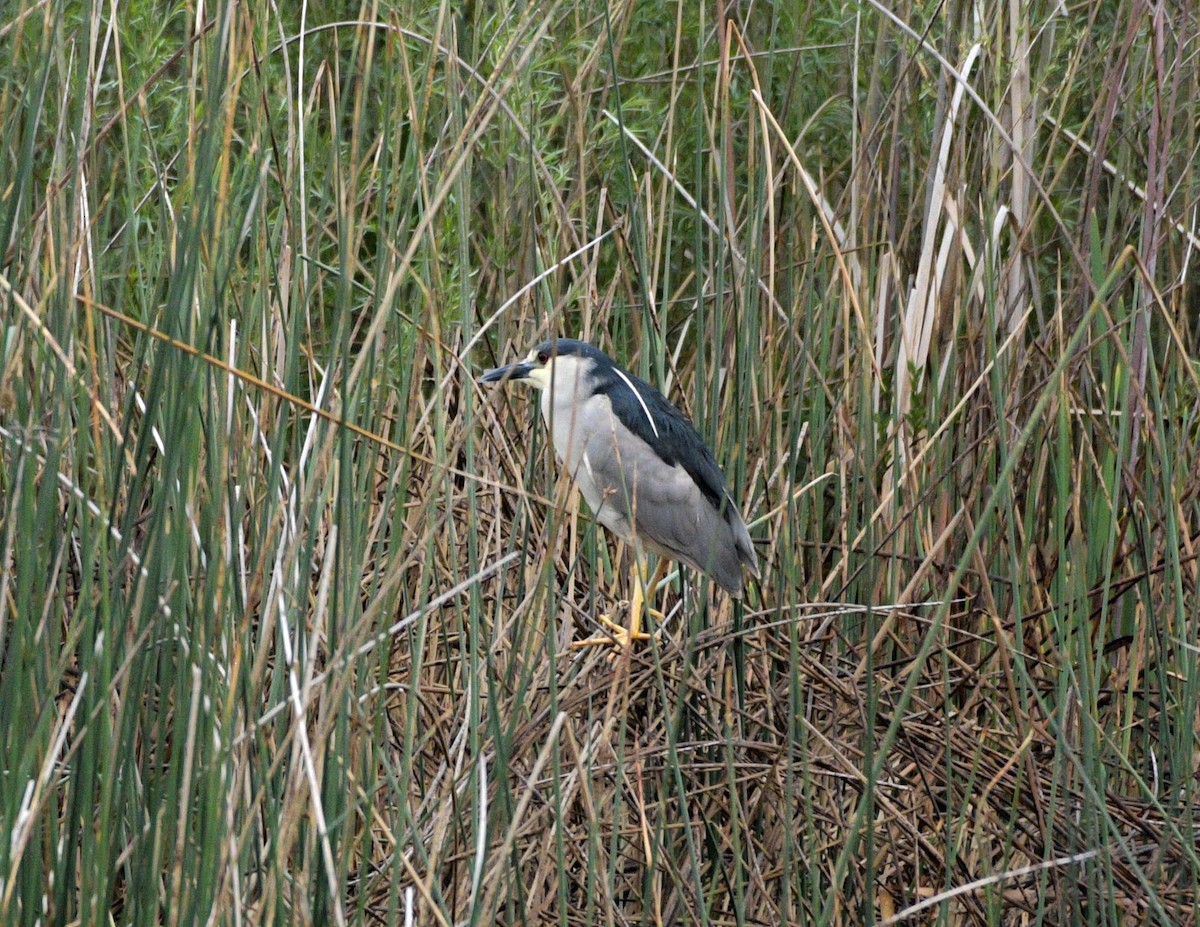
641, 467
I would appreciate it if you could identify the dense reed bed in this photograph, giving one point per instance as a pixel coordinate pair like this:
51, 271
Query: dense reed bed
286, 598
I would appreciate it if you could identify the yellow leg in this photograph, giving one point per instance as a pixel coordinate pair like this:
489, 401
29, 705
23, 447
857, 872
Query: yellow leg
622, 637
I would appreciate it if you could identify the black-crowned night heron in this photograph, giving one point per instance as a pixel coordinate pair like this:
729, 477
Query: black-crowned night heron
646, 474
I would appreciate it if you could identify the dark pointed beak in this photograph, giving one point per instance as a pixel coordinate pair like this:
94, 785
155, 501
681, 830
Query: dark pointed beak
518, 371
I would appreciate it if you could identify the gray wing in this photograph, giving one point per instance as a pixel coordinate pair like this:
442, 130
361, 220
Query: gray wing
636, 493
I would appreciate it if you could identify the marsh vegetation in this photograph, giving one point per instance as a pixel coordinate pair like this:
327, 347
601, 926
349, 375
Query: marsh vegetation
286, 598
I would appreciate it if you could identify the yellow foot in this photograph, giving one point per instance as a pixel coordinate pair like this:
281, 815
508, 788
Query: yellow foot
619, 636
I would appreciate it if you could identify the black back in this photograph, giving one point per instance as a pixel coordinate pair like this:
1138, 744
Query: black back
677, 441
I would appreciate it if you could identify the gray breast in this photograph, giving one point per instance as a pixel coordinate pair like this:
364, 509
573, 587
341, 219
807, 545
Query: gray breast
586, 440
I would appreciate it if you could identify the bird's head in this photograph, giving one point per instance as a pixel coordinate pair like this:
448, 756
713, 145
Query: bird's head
558, 361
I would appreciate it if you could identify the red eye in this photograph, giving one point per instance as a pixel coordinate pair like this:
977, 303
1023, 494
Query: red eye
543, 357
